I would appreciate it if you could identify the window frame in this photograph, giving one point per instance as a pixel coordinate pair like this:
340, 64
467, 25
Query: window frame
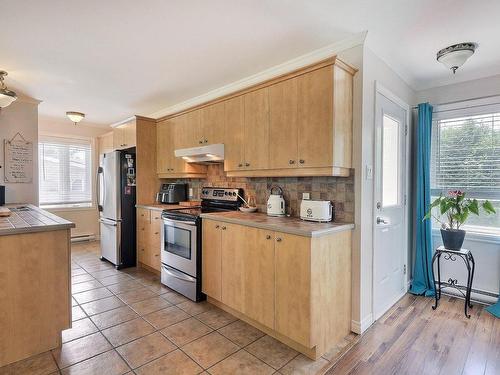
468, 108
71, 206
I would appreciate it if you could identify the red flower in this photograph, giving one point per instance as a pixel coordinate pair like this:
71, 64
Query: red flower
455, 193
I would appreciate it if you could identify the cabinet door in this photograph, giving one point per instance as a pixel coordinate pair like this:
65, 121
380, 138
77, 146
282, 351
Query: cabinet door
117, 138
234, 114
315, 118
258, 260
155, 240
143, 229
233, 247
283, 141
211, 259
293, 287
256, 129
164, 146
190, 133
129, 134
106, 143
212, 124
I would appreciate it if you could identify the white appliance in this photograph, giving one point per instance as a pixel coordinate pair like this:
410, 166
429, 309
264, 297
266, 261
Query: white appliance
275, 202
320, 211
203, 154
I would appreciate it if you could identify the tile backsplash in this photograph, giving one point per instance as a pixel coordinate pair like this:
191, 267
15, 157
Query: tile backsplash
339, 190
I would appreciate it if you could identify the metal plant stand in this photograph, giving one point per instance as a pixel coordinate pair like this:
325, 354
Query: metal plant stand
452, 255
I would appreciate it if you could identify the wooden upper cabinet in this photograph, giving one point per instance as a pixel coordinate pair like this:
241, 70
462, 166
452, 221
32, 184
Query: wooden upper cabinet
283, 135
234, 120
258, 260
211, 130
164, 146
315, 118
106, 143
124, 136
256, 129
187, 127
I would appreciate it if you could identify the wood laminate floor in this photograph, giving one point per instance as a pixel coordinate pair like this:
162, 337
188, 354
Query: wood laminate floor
414, 339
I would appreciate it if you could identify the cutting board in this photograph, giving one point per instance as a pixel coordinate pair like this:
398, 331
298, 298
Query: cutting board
4, 212
190, 203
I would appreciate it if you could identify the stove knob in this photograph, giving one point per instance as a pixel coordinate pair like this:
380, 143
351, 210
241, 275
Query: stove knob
225, 193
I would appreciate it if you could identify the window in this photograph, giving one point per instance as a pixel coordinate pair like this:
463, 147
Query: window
466, 156
65, 170
390, 162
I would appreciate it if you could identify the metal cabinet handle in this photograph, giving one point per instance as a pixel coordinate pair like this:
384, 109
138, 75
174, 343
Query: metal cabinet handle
247, 164
217, 226
240, 165
278, 239
291, 161
268, 237
200, 141
302, 161
223, 228
157, 232
205, 141
157, 255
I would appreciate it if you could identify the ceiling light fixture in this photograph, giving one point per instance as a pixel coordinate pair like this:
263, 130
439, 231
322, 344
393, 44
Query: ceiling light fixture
453, 57
6, 96
76, 117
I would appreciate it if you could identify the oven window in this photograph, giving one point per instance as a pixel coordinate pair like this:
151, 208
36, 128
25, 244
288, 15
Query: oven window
178, 241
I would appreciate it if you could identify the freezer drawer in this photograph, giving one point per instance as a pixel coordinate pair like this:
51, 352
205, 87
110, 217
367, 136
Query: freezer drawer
110, 240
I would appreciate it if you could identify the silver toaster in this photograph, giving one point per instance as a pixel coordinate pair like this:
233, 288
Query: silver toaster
321, 211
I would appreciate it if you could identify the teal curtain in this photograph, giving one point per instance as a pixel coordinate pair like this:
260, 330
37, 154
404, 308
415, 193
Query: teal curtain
423, 283
494, 309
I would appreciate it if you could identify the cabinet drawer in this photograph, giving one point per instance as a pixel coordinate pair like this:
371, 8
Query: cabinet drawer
143, 216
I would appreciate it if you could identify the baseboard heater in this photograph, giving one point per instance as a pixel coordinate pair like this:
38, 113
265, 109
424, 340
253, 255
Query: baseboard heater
83, 238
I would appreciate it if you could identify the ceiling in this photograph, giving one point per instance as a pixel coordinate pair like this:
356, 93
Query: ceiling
113, 59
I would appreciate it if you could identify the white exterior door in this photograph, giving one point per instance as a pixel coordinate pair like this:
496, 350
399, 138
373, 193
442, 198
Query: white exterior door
389, 227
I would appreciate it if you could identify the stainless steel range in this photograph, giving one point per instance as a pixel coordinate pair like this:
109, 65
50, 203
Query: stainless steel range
181, 240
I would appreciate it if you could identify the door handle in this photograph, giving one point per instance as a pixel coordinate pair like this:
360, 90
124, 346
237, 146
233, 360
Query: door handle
381, 220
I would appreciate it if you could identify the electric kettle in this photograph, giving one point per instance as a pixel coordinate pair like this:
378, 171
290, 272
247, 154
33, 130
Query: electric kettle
276, 203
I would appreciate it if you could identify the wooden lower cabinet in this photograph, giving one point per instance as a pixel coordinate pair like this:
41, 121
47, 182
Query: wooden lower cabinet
295, 288
148, 238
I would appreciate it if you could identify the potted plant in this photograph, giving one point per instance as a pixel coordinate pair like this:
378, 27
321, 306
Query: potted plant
457, 209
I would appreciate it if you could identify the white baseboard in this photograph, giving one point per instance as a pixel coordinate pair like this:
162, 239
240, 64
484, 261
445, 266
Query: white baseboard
84, 237
360, 327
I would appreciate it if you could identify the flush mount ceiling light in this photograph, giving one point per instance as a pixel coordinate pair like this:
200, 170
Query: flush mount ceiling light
6, 96
453, 57
76, 117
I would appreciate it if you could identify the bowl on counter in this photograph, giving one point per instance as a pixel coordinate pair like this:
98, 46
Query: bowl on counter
247, 209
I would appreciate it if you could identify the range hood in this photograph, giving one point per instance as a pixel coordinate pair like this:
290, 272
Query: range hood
202, 155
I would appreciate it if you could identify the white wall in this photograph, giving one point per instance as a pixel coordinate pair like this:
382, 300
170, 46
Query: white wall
21, 116
85, 219
374, 70
486, 249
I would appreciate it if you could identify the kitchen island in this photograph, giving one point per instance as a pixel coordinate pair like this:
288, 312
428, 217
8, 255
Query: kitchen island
35, 280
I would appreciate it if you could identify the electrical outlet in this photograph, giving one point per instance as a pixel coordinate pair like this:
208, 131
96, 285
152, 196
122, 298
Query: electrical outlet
306, 196
190, 192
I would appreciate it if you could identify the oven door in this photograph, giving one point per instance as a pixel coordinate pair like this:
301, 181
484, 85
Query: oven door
179, 245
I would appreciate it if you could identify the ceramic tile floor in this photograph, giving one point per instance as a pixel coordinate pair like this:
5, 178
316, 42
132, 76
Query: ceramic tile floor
126, 322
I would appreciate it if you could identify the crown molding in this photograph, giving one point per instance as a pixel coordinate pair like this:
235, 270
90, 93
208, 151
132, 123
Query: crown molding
27, 99
286, 67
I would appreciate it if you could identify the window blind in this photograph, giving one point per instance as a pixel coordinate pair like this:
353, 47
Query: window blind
65, 171
466, 156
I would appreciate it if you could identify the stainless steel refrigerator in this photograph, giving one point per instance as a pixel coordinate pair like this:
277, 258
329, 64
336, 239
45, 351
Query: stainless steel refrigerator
116, 203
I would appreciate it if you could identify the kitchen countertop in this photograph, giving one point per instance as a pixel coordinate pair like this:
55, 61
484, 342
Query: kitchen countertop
160, 206
27, 218
291, 225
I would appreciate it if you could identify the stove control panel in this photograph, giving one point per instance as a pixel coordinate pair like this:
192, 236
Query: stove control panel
220, 194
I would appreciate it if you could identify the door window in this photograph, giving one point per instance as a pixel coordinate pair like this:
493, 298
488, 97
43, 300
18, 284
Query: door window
390, 161
178, 241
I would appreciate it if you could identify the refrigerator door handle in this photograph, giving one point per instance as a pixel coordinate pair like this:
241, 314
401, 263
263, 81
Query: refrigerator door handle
109, 222
100, 171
